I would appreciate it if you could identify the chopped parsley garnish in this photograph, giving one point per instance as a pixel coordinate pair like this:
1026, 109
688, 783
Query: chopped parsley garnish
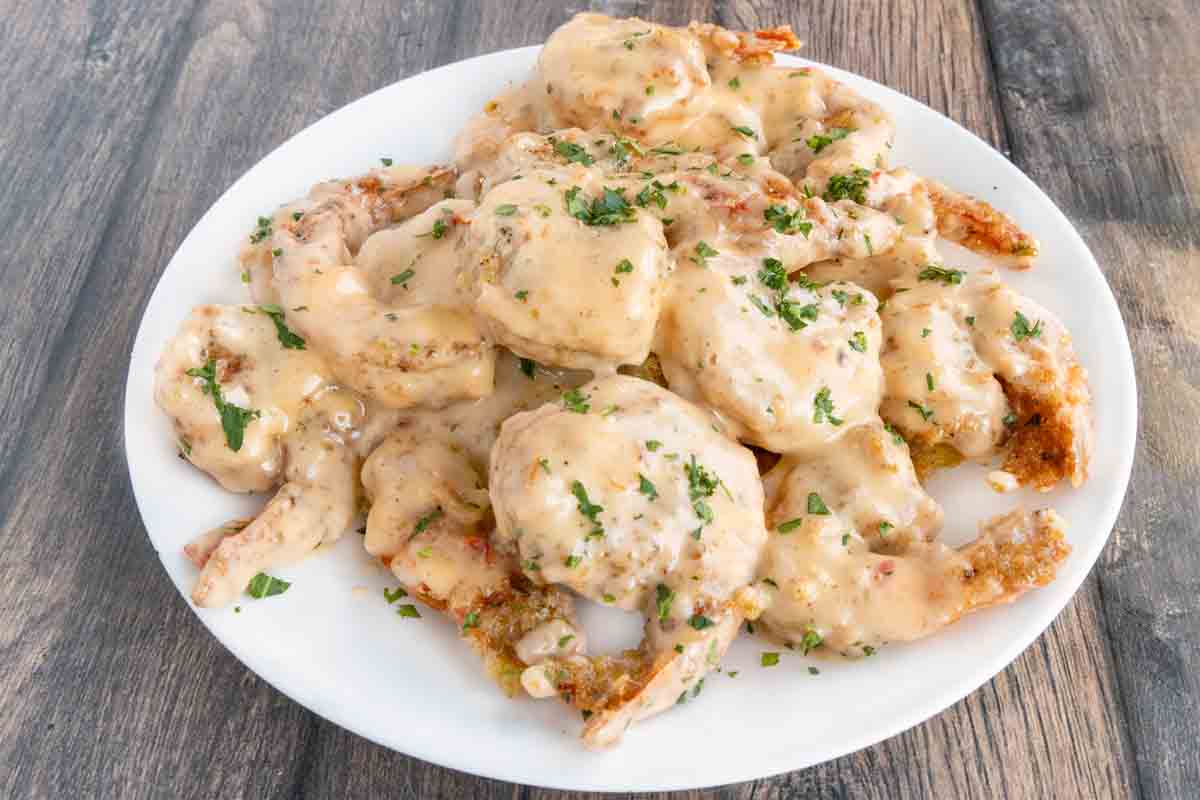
816, 506
646, 487
403, 278
527, 366
234, 419
624, 265
700, 622
277, 252
542, 210
950, 277
925, 333
823, 408
572, 561
819, 141
506, 210
811, 641
471, 620
773, 275
896, 437
649, 90
610, 208
563, 641
393, 595
425, 552
286, 337
663, 598
785, 221
798, 316
387, 162
770, 659
262, 231
587, 508
701, 484
738, 280
745, 159
667, 150
574, 400
653, 444
790, 525
744, 131
868, 650
622, 147
522, 295
1009, 419
884, 527
858, 341
929, 380
814, 671
926, 414
545, 464
1021, 328
572, 152
971, 321
263, 585
735, 84
703, 253
408, 610
425, 521
437, 231
761, 306
852, 186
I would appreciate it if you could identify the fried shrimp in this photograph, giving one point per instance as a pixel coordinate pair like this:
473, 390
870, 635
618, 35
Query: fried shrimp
253, 408
971, 363
625, 493
869, 479
829, 589
786, 364
566, 270
410, 351
429, 524
977, 226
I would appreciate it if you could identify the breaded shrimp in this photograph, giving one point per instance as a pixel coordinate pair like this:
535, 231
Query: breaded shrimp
411, 351
626, 494
828, 589
429, 523
970, 362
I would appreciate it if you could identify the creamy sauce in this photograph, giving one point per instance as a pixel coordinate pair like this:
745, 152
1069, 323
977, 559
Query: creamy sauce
653, 195
559, 291
869, 477
722, 342
644, 534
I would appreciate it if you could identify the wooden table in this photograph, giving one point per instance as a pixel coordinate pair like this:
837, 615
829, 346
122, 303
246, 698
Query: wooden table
122, 122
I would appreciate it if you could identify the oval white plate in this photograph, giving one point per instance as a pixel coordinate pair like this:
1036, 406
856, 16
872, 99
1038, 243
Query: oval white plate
334, 645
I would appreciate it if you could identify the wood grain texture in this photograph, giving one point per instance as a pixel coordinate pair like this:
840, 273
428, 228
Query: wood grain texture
1103, 107
125, 120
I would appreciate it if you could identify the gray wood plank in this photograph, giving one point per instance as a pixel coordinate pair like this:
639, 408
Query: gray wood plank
111, 687
1103, 108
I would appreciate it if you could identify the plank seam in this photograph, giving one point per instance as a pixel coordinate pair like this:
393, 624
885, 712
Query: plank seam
1132, 761
55, 362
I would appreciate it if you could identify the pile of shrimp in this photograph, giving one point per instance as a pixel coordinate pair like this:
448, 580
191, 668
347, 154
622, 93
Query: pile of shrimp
670, 335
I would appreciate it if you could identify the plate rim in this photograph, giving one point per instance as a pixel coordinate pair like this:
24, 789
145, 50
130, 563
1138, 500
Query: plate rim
951, 693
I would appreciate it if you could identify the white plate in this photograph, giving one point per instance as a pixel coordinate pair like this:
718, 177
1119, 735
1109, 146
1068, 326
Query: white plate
412, 686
